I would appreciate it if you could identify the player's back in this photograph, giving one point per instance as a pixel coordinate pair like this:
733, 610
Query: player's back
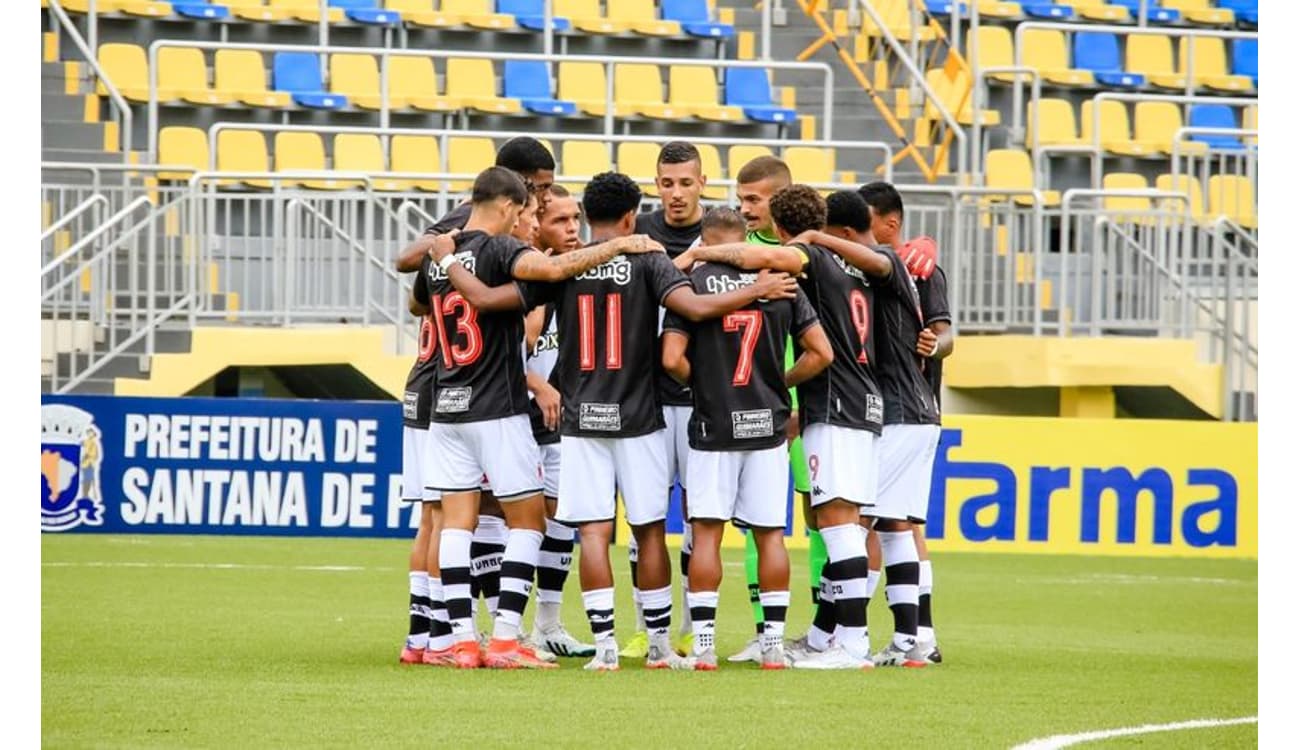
897, 325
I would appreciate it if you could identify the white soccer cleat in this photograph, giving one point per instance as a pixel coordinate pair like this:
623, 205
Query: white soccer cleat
539, 648
753, 651
659, 657
560, 642
930, 651
603, 661
835, 657
893, 656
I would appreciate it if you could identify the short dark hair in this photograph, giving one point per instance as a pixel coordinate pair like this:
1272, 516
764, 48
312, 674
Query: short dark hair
762, 168
678, 152
609, 196
798, 208
883, 197
845, 208
498, 182
525, 155
559, 191
720, 218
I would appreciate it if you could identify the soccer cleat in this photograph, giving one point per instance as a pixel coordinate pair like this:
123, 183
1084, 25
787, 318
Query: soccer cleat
443, 658
658, 657
773, 658
707, 661
411, 656
930, 651
684, 643
537, 648
638, 647
510, 654
603, 661
798, 649
467, 655
752, 652
893, 656
558, 641
835, 657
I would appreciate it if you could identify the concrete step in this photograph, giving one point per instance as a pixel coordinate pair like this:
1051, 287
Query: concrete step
54, 78
69, 154
58, 106
92, 386
75, 134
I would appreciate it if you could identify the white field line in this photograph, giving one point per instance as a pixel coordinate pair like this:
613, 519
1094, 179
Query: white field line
1067, 740
208, 566
1129, 580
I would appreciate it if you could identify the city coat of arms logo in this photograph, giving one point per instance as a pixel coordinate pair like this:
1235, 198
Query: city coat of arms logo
71, 452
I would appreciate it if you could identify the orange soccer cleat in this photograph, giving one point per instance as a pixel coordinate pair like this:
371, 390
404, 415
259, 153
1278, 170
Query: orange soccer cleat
466, 655
509, 654
411, 656
441, 658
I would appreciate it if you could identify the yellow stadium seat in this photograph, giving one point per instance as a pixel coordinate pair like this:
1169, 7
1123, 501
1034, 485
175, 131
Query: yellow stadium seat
1250, 121
695, 89
307, 10
640, 15
1045, 50
999, 9
1233, 196
413, 80
1210, 67
739, 156
470, 156
1152, 55
242, 151
952, 85
182, 146
1009, 168
639, 90
1055, 123
1125, 181
638, 161
897, 17
361, 152
810, 165
239, 74
301, 152
144, 8
474, 82
1187, 186
1116, 136
423, 13
584, 84
1098, 10
1156, 123
128, 69
585, 16
582, 160
256, 10
416, 153
479, 14
711, 168
1202, 12
83, 6
995, 51
357, 77
183, 70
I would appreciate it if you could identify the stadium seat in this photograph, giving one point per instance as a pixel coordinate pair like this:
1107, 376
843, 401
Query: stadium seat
1250, 121
695, 89
740, 155
951, 84
361, 152
367, 12
478, 14
299, 74
307, 10
422, 13
1210, 65
638, 161
184, 71
529, 81
256, 10
1153, 56
1201, 12
201, 11
1099, 53
469, 155
897, 17
412, 80
583, 84
302, 152
1155, 14
585, 16
1125, 204
1010, 169
418, 154
357, 78
998, 9
1233, 196
1045, 50
241, 75
945, 8
182, 146
242, 151
1246, 11
1156, 124
640, 16
1054, 121
711, 168
810, 165
582, 160
1187, 186
1116, 135
1047, 9
1245, 59
474, 82
1214, 116
531, 14
638, 90
693, 15
995, 50
750, 89
144, 8
128, 69
1099, 10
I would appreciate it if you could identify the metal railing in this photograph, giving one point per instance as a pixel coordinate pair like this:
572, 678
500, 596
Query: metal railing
1204, 164
121, 111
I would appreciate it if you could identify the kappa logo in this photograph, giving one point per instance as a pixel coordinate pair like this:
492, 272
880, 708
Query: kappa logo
71, 453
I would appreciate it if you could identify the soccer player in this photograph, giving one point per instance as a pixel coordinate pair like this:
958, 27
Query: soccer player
738, 462
479, 423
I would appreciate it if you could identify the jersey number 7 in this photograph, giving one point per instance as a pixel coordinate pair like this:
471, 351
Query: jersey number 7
750, 324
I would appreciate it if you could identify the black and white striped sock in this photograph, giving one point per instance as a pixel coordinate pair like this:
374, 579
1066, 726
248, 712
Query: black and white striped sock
517, 568
599, 604
704, 615
440, 626
552, 571
453, 561
846, 569
417, 635
902, 584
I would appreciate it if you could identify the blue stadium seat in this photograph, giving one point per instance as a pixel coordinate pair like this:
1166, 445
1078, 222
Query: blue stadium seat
1099, 53
693, 15
1047, 10
202, 11
748, 88
299, 74
531, 14
1214, 116
367, 12
1154, 12
529, 81
946, 7
1245, 59
1245, 10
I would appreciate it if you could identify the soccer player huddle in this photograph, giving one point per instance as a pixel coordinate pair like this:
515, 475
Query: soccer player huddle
718, 350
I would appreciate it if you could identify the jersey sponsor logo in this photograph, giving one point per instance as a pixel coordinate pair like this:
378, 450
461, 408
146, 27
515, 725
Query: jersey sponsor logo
617, 270
720, 284
466, 259
410, 404
454, 400
755, 423
875, 408
600, 417
851, 270
547, 342
71, 452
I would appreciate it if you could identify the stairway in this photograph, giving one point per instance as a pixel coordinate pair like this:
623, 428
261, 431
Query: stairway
72, 126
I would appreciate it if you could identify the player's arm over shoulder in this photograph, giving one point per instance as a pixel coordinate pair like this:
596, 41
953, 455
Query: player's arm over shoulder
751, 257
673, 343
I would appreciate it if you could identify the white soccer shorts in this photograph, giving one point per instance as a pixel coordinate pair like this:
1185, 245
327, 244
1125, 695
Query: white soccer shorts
677, 439
415, 466
593, 469
842, 463
906, 467
748, 487
501, 450
550, 469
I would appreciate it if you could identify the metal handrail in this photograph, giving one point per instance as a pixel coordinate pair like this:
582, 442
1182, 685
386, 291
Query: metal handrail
119, 101
977, 119
116, 218
385, 53
147, 330
76, 211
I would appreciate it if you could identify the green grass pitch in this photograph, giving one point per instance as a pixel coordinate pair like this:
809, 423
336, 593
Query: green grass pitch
171, 641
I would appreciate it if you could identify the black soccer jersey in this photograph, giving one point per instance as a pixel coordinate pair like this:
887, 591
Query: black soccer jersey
418, 394
456, 218
846, 393
934, 308
480, 360
676, 240
738, 364
541, 360
897, 324
609, 345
